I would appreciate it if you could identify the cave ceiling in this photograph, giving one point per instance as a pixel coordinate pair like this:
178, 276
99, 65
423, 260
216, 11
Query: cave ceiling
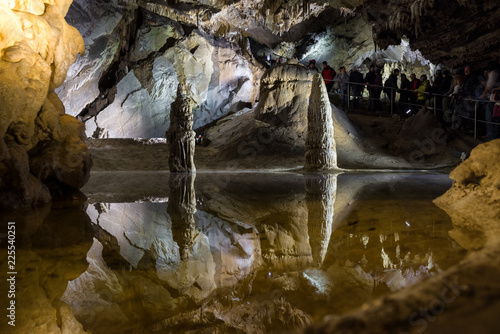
452, 32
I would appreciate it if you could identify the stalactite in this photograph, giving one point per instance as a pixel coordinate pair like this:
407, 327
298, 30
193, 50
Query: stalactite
345, 12
418, 9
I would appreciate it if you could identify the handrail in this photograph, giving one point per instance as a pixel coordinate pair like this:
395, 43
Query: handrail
430, 96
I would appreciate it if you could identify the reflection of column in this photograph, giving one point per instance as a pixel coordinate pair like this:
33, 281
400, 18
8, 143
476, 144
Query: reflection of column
181, 208
320, 199
180, 135
321, 151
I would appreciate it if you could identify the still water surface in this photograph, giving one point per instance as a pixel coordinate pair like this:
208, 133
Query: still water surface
230, 252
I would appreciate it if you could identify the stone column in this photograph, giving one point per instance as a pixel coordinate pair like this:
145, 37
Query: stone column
181, 209
320, 198
321, 152
180, 136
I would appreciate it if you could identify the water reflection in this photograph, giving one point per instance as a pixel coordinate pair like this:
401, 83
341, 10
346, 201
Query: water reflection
320, 199
181, 209
51, 246
255, 253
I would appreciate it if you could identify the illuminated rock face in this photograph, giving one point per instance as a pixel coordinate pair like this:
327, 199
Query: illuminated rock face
38, 146
284, 92
123, 87
473, 200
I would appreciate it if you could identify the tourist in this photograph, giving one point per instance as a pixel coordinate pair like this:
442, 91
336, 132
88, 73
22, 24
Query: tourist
434, 89
328, 75
405, 95
455, 103
370, 81
423, 90
440, 88
492, 71
342, 78
391, 86
465, 111
312, 65
447, 112
438, 79
377, 90
357, 84
415, 83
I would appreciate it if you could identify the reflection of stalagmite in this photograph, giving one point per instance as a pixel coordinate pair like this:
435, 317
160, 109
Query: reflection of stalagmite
321, 191
321, 151
181, 208
180, 135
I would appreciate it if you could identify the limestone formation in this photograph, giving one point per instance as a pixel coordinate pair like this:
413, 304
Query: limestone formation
35, 56
320, 144
180, 135
284, 93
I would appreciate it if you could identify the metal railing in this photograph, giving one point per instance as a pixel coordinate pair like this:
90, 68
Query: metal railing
430, 96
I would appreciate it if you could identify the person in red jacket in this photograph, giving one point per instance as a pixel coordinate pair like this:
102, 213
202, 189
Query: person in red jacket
328, 75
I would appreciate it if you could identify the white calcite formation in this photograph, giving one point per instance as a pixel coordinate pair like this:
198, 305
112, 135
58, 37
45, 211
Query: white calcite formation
123, 87
40, 146
320, 144
218, 79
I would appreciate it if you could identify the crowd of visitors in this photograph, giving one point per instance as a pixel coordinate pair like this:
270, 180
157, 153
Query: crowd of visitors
457, 98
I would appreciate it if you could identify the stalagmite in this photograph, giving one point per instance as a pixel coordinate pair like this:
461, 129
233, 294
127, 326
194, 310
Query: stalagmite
321, 152
180, 135
320, 199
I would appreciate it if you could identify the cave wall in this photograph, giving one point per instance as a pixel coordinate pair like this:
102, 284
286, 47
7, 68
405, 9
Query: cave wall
138, 50
124, 86
450, 32
41, 147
